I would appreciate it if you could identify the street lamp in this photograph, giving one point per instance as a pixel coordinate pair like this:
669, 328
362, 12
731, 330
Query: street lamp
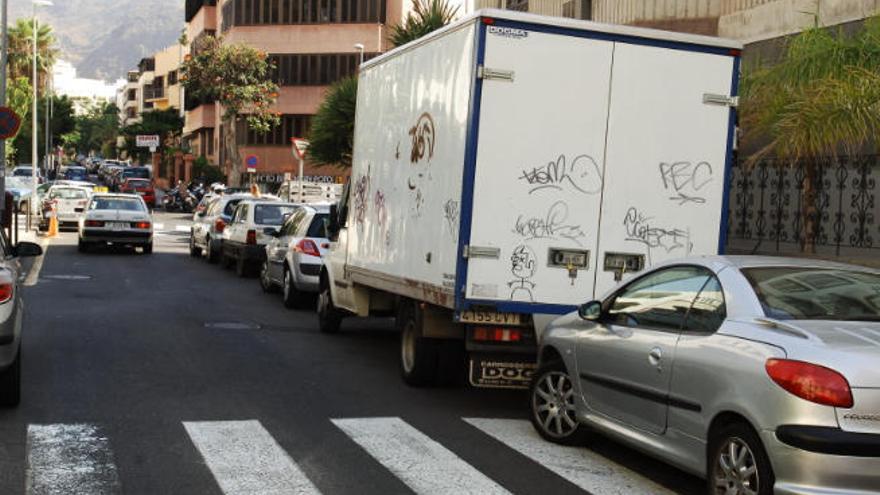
34, 158
360, 47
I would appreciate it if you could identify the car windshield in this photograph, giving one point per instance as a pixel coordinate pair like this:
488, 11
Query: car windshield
136, 172
318, 227
802, 293
271, 214
116, 204
138, 183
67, 193
22, 172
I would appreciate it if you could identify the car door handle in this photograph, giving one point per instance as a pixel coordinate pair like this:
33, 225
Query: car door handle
655, 356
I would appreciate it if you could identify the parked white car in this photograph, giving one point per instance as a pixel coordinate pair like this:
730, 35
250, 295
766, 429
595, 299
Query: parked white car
254, 223
120, 219
295, 256
206, 234
68, 203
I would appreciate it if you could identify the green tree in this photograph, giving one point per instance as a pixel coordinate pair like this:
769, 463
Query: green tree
426, 16
167, 124
822, 99
239, 78
98, 126
61, 122
331, 136
21, 50
18, 97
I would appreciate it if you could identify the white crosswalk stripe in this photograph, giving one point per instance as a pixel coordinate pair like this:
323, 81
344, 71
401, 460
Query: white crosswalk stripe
245, 459
578, 465
69, 458
423, 464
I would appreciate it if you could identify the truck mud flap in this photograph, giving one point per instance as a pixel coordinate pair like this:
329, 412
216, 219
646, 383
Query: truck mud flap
500, 371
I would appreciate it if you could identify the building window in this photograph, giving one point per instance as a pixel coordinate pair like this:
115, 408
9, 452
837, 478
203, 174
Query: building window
314, 69
252, 12
132, 94
520, 5
290, 126
172, 78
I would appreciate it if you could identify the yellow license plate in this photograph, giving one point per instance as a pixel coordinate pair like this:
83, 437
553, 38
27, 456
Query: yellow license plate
491, 317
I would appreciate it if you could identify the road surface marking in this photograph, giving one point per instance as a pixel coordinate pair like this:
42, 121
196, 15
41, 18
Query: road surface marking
158, 226
245, 459
423, 464
33, 276
182, 228
69, 458
578, 465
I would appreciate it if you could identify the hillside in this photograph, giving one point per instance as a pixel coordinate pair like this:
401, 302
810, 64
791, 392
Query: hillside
106, 38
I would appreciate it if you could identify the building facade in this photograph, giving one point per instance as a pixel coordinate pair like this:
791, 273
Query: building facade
127, 99
312, 44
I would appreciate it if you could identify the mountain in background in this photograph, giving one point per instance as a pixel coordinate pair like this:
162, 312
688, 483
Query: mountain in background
106, 38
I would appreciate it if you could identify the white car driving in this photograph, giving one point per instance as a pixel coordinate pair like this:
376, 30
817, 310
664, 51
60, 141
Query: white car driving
68, 203
119, 219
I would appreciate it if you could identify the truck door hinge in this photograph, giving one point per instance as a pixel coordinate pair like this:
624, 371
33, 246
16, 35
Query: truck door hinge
723, 100
482, 252
486, 73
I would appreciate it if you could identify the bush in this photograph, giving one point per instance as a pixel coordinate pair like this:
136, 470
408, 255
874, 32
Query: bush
203, 170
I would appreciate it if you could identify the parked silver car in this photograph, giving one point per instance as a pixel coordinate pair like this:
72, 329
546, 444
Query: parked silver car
759, 374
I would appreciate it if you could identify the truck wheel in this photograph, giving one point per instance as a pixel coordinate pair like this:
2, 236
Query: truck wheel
329, 316
418, 355
10, 383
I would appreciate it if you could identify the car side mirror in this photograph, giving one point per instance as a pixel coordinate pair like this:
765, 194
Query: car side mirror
590, 311
26, 249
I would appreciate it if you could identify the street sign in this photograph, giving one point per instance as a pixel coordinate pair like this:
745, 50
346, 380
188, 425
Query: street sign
9, 122
300, 146
251, 162
147, 140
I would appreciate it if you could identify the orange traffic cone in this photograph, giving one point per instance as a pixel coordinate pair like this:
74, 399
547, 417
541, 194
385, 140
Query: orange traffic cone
53, 223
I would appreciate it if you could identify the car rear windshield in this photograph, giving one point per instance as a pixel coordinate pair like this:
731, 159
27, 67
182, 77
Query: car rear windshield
116, 204
140, 172
67, 193
22, 172
318, 227
271, 214
230, 207
802, 293
138, 183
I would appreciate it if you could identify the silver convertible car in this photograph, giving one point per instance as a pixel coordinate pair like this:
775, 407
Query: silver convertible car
761, 375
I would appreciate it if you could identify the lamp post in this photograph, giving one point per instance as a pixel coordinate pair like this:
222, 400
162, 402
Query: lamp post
360, 47
3, 48
34, 152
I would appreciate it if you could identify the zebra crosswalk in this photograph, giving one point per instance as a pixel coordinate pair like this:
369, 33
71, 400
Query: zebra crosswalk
244, 458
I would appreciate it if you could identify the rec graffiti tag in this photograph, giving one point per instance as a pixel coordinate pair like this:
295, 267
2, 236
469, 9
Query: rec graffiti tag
552, 225
685, 180
581, 174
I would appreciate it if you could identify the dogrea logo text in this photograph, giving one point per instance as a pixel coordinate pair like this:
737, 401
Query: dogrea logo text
508, 32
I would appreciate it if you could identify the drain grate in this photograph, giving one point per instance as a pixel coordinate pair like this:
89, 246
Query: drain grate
66, 277
233, 325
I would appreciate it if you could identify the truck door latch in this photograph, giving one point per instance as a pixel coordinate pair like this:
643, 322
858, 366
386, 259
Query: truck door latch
722, 100
482, 252
486, 74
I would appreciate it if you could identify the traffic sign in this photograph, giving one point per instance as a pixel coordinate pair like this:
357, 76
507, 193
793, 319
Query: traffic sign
9, 122
251, 162
147, 140
300, 146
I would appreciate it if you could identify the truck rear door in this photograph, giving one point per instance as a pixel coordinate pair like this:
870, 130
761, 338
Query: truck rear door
538, 180
666, 157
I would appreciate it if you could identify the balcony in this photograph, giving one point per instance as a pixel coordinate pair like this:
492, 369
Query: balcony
154, 93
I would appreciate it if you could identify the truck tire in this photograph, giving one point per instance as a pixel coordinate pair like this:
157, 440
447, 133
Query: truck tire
419, 356
10, 383
329, 316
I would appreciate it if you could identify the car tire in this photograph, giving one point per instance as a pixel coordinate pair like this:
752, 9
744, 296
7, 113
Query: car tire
81, 246
291, 297
419, 355
266, 280
329, 316
211, 255
148, 248
242, 267
10, 383
751, 470
552, 410
194, 250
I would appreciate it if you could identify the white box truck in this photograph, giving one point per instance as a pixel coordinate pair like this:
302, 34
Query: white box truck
510, 167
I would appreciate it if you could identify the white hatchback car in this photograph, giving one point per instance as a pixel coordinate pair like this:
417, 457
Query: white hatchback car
120, 219
68, 203
254, 223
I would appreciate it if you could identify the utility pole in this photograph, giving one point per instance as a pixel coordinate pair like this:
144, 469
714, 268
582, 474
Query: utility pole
3, 48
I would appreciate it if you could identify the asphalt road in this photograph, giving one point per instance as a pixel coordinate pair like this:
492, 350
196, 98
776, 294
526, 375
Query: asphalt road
163, 374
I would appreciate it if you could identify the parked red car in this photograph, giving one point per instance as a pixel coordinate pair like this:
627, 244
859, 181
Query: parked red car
143, 187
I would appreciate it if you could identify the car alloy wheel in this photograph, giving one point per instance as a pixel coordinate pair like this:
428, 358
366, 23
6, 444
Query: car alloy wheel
265, 280
736, 471
553, 404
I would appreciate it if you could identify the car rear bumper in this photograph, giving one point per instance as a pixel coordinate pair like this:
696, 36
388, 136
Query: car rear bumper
809, 466
122, 237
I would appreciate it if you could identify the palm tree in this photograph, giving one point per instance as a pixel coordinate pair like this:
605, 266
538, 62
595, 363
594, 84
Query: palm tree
427, 16
21, 37
821, 100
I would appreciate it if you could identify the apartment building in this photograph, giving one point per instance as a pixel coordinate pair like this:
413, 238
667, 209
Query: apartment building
312, 43
127, 99
165, 90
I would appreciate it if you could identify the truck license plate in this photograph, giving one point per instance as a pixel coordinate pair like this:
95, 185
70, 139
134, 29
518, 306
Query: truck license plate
495, 371
490, 317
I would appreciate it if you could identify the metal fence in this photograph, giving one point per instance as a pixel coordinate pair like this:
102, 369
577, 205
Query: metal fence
766, 201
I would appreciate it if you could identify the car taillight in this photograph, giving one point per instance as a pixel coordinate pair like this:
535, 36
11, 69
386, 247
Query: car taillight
251, 237
497, 334
306, 246
94, 223
219, 225
141, 225
811, 382
7, 286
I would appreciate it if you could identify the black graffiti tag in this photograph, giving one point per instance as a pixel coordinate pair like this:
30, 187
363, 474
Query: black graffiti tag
581, 174
552, 225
